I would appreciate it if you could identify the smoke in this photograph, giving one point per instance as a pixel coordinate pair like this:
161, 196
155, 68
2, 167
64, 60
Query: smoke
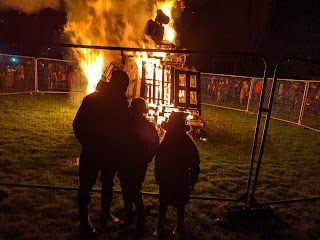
30, 6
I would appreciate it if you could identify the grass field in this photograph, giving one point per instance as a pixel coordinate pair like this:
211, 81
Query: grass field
38, 148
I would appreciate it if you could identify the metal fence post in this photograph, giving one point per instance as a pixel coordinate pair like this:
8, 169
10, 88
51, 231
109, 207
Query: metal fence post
250, 95
249, 200
304, 99
36, 82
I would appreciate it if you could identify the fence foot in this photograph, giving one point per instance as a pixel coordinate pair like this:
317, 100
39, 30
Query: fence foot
258, 219
241, 212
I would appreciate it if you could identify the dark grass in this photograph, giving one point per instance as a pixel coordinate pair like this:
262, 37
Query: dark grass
37, 147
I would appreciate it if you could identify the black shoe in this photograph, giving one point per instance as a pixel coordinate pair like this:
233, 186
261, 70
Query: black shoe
158, 234
127, 222
113, 218
88, 233
109, 217
138, 224
179, 233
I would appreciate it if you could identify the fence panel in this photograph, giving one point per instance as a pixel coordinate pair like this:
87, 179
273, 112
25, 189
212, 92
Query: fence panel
311, 108
54, 74
302, 94
225, 90
17, 73
295, 101
288, 100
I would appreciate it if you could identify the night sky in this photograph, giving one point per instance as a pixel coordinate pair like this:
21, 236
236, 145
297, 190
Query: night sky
270, 27
44, 26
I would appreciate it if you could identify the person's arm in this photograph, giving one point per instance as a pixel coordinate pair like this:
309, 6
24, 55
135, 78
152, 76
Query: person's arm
81, 125
155, 142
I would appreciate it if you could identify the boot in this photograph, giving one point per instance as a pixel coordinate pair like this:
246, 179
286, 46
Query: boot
179, 229
106, 215
158, 233
128, 205
138, 223
139, 219
160, 224
179, 233
86, 228
128, 219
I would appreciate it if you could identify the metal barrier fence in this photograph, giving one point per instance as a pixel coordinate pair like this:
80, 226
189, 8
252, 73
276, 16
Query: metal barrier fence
54, 74
17, 73
290, 165
20, 74
295, 101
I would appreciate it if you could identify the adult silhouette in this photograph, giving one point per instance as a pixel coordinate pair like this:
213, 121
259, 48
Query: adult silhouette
101, 126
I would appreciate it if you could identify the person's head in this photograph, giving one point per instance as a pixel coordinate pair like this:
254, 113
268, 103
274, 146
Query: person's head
176, 122
119, 81
101, 86
138, 107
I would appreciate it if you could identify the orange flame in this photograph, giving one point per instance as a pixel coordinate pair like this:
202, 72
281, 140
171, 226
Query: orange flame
167, 7
106, 23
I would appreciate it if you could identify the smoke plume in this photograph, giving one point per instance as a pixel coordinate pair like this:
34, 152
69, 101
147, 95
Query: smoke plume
30, 6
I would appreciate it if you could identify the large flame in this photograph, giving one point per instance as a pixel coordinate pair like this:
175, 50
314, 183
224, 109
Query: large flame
152, 63
92, 66
167, 7
111, 23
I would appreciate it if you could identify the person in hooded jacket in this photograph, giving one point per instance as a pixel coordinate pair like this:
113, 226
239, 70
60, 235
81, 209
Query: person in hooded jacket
176, 170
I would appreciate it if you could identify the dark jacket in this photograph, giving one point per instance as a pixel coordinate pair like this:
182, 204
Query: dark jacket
144, 144
102, 122
176, 167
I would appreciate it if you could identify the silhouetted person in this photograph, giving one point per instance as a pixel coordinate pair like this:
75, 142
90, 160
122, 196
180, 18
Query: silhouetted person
29, 76
49, 77
8, 80
144, 143
101, 125
176, 170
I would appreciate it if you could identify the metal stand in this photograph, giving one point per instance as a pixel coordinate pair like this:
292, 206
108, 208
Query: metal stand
242, 213
252, 210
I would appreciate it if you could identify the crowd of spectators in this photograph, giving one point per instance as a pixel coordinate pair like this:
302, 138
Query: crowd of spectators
19, 75
55, 76
227, 89
289, 94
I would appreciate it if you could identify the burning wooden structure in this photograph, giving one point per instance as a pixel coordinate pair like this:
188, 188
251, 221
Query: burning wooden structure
162, 78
